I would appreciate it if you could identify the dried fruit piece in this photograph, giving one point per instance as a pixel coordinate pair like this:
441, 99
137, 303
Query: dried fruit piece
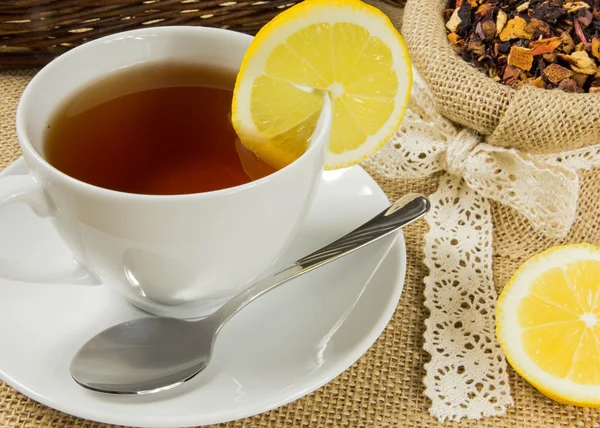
453, 38
580, 78
581, 62
523, 7
585, 18
483, 9
476, 47
537, 27
549, 11
579, 32
596, 48
550, 58
539, 83
568, 45
501, 20
479, 31
454, 21
510, 73
515, 29
464, 13
574, 6
555, 73
544, 46
489, 30
521, 58
569, 85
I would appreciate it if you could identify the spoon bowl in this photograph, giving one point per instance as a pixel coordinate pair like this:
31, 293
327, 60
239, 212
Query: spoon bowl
144, 356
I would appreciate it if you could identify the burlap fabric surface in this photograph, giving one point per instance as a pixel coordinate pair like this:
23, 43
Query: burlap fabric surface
384, 388
532, 119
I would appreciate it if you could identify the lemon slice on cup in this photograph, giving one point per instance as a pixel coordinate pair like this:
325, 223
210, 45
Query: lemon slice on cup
345, 49
548, 323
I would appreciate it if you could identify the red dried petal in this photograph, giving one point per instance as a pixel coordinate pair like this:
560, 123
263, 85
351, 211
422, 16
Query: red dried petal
579, 32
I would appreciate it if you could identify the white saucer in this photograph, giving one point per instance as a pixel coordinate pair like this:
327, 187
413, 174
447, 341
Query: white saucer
280, 348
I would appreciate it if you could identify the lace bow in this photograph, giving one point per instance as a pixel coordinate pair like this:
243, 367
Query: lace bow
544, 188
466, 376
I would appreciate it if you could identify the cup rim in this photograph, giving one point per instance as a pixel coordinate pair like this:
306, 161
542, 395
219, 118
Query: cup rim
321, 131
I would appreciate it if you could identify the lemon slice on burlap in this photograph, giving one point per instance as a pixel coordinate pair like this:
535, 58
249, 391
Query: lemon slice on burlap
345, 49
548, 323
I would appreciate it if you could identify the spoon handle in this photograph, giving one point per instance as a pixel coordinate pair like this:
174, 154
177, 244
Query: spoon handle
404, 211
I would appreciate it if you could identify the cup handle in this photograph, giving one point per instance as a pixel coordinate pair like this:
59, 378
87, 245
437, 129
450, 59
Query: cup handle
24, 188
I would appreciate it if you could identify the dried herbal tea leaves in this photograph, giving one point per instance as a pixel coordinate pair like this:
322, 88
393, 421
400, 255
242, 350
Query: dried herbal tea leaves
545, 43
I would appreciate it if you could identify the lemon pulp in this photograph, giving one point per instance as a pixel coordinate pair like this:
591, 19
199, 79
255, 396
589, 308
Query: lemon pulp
547, 323
560, 322
343, 49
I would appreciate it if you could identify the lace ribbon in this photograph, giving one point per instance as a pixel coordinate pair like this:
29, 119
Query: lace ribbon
466, 376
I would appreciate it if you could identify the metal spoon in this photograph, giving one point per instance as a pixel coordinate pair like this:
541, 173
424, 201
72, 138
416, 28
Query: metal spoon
154, 354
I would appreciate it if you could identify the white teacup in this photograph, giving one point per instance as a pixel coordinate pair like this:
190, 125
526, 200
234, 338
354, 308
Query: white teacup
178, 255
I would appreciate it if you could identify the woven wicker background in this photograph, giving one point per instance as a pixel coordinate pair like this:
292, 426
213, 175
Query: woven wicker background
383, 389
33, 32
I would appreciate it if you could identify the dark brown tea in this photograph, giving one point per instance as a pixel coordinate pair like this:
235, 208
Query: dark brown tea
160, 129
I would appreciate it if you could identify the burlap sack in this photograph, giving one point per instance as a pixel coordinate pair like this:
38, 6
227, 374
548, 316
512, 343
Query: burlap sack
530, 119
515, 238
